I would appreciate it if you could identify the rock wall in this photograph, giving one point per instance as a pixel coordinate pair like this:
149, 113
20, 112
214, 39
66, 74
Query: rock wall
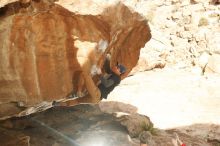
44, 47
182, 31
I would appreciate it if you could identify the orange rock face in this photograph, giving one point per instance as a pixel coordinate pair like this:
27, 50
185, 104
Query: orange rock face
43, 45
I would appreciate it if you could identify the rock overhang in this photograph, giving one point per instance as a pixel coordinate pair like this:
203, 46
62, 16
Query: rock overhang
44, 46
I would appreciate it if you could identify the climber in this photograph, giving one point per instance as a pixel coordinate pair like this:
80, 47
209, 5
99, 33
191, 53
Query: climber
96, 92
109, 81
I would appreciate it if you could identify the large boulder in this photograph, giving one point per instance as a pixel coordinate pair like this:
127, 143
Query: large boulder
86, 125
45, 47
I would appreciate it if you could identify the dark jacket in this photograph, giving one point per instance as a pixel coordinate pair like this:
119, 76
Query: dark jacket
108, 84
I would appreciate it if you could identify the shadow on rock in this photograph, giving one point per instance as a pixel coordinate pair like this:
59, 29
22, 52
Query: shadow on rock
87, 124
79, 125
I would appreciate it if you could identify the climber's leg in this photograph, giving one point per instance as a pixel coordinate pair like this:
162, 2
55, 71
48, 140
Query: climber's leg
94, 92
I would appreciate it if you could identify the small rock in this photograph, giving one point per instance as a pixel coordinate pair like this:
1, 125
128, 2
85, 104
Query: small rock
146, 138
203, 22
176, 15
186, 35
203, 60
186, 20
186, 12
201, 35
213, 65
136, 124
190, 27
202, 44
213, 40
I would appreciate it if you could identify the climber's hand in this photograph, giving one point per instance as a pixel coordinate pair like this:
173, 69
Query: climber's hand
95, 70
